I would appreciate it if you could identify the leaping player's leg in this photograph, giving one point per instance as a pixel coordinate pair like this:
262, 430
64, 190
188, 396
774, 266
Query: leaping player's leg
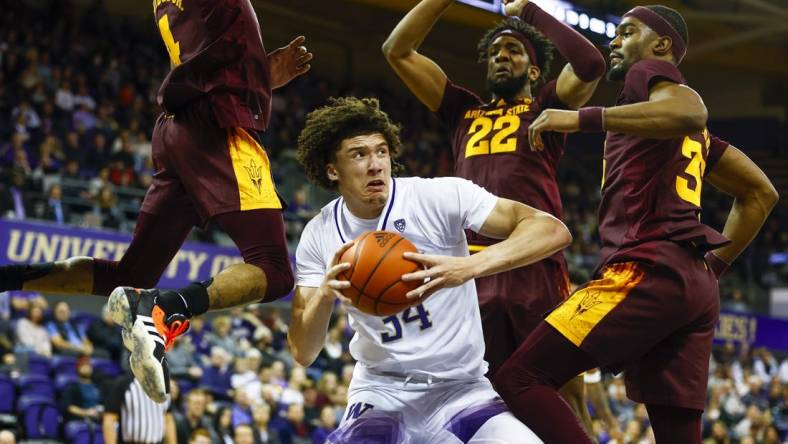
529, 383
675, 424
504, 428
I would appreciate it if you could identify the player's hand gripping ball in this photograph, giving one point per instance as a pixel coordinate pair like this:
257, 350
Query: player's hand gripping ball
376, 266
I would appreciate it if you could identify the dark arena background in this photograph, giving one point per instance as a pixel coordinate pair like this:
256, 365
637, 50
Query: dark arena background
78, 81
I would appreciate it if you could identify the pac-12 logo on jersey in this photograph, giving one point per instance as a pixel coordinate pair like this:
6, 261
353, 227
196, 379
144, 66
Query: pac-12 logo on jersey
399, 224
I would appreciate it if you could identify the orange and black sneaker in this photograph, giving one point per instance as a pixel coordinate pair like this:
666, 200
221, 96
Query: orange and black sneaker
148, 332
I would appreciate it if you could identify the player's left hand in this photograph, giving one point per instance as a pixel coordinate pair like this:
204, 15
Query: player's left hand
513, 8
440, 272
289, 62
559, 120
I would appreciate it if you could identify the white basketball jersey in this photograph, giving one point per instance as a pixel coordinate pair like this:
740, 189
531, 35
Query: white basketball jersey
441, 337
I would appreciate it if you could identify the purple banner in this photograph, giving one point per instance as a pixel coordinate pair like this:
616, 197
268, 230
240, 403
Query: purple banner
28, 242
756, 331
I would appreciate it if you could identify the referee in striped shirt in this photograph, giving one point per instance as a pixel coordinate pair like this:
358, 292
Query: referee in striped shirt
130, 417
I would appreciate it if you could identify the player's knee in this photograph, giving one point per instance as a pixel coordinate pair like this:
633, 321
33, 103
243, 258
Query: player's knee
511, 380
280, 280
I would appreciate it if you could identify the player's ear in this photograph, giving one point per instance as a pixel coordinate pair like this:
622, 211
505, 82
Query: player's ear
331, 172
661, 46
533, 73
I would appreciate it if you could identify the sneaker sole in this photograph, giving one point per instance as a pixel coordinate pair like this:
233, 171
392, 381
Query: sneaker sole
144, 366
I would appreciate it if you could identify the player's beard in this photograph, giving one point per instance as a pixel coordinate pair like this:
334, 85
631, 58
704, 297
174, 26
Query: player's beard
618, 73
507, 88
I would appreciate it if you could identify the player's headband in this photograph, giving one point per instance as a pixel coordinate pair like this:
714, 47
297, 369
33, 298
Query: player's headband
661, 27
529, 47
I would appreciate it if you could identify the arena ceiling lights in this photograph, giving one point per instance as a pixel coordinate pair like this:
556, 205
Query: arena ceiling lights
564, 11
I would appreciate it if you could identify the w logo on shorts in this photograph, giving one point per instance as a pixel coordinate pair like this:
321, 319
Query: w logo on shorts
357, 409
255, 175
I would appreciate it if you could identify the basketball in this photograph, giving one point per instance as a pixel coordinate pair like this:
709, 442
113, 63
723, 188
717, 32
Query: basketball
376, 266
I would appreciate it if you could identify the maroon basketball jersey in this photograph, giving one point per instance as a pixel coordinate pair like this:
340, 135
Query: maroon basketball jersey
490, 146
651, 187
216, 51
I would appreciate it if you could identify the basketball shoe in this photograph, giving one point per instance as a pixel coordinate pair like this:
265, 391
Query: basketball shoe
148, 332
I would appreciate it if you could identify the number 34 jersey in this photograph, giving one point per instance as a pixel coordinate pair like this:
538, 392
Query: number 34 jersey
651, 189
490, 147
442, 336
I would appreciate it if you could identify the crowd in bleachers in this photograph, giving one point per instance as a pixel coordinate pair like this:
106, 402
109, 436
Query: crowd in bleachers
77, 104
236, 369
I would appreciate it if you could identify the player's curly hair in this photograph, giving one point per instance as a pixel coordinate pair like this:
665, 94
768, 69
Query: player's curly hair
544, 49
341, 119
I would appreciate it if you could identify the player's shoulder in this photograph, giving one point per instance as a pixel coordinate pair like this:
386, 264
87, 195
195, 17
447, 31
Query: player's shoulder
644, 74
431, 186
321, 221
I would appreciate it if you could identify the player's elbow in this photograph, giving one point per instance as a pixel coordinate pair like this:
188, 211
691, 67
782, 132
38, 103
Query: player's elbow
300, 355
695, 120
392, 51
559, 234
766, 195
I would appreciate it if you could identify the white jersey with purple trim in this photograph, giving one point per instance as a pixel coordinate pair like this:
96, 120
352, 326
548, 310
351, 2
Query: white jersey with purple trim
441, 337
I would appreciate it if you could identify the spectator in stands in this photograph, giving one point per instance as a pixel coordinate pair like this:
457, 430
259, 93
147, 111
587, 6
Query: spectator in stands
220, 336
7, 437
198, 337
54, 210
245, 377
292, 429
82, 399
330, 357
32, 334
263, 433
242, 409
194, 418
15, 203
223, 425
243, 434
200, 436
66, 338
326, 386
183, 361
294, 392
105, 335
216, 377
105, 208
719, 434
328, 423
99, 154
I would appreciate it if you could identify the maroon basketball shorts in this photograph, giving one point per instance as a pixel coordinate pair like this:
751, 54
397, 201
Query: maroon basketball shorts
207, 169
654, 321
514, 302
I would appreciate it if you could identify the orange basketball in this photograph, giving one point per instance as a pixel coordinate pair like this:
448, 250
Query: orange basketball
376, 266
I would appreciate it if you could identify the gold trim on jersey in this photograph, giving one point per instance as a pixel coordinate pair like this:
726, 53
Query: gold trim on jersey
585, 309
252, 172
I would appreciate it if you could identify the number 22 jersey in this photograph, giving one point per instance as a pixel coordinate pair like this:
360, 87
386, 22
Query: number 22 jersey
651, 188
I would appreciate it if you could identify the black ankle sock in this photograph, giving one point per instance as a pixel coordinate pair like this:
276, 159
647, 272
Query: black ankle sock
191, 300
13, 277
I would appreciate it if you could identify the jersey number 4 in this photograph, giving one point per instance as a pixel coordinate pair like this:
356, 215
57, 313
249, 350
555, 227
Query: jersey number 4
501, 141
421, 315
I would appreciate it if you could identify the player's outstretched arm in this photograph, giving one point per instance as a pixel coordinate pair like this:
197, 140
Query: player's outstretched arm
530, 236
579, 78
672, 110
754, 197
425, 79
311, 312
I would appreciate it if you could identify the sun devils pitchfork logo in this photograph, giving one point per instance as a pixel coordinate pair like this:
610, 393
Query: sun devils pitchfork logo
589, 301
255, 175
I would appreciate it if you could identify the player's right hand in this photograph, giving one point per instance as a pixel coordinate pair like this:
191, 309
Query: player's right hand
331, 286
513, 8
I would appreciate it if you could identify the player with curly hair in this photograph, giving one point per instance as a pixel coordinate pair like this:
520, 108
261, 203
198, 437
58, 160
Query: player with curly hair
419, 376
491, 147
